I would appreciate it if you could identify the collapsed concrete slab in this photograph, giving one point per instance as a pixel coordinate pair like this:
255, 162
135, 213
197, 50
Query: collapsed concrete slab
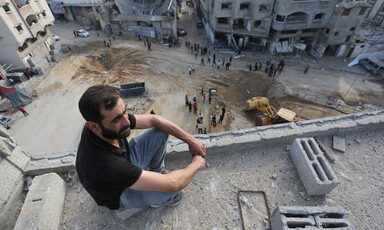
285, 218
60, 162
315, 172
43, 204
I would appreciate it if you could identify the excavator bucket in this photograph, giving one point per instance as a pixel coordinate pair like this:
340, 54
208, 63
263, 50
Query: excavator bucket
286, 114
256, 103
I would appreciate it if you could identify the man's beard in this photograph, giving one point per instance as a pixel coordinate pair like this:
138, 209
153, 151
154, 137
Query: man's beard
110, 134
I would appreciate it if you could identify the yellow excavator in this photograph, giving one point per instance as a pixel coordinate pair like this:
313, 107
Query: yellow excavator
270, 115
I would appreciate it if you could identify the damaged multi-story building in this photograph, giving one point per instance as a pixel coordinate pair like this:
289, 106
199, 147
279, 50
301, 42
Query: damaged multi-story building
338, 37
25, 39
145, 18
286, 26
297, 24
237, 22
76, 10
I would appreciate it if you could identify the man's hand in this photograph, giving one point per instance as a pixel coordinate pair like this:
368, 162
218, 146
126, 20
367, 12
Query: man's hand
197, 147
199, 160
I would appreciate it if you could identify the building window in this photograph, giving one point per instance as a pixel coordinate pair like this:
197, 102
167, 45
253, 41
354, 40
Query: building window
33, 40
44, 14
319, 17
362, 46
43, 33
31, 19
22, 48
336, 33
6, 8
352, 29
362, 10
348, 38
264, 8
327, 31
19, 28
280, 18
257, 23
222, 20
336, 11
297, 17
288, 31
346, 12
314, 30
244, 6
226, 6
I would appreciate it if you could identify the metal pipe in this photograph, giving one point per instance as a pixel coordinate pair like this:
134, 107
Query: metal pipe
266, 204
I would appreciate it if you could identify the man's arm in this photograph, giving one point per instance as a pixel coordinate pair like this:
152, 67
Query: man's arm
171, 182
147, 121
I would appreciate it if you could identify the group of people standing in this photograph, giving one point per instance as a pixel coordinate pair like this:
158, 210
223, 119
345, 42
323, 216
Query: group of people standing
199, 121
270, 67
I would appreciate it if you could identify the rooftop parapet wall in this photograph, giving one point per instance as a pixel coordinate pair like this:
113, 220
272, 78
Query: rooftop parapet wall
248, 138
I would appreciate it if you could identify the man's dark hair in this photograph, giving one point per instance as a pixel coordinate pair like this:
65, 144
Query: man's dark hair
94, 98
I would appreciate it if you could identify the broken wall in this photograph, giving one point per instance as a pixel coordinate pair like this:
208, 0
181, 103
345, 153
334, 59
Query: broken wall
13, 162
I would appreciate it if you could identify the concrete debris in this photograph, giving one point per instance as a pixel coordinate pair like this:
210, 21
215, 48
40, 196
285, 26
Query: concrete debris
285, 218
43, 204
315, 172
338, 143
327, 151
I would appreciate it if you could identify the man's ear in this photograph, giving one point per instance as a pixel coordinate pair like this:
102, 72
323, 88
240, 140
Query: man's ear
93, 126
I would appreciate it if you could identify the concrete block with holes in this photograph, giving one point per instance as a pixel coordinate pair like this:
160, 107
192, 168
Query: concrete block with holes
314, 170
43, 204
285, 218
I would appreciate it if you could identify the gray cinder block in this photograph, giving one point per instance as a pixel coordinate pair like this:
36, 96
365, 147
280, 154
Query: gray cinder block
286, 218
314, 170
43, 204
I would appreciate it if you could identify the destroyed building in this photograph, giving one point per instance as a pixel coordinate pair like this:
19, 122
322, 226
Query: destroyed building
376, 13
296, 25
238, 23
24, 33
76, 10
149, 18
337, 38
368, 39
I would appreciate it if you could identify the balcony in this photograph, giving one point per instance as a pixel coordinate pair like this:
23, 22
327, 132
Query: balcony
256, 32
35, 28
279, 26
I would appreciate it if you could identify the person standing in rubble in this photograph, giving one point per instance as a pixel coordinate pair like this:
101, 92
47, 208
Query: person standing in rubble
23, 111
131, 175
306, 69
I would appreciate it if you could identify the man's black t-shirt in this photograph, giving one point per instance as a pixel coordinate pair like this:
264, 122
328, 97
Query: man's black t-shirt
105, 170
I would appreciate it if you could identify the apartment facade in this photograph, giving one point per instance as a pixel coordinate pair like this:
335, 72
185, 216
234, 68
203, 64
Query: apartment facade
297, 24
338, 37
240, 23
25, 39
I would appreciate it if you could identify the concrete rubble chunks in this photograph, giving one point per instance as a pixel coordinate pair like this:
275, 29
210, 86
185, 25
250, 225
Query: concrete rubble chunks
310, 217
314, 170
339, 143
43, 204
6, 147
